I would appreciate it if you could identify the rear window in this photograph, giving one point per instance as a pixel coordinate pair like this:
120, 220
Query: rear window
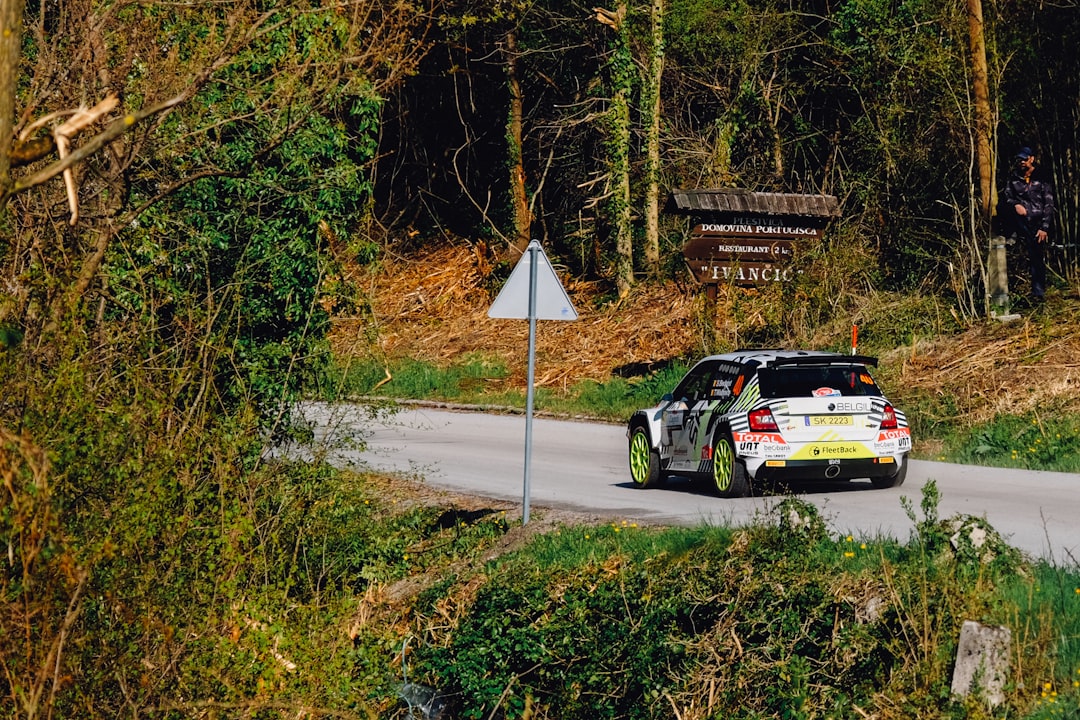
816, 381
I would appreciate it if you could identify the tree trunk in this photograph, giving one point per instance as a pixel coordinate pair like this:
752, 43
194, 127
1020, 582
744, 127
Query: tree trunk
622, 72
983, 116
522, 217
620, 177
995, 284
11, 14
652, 141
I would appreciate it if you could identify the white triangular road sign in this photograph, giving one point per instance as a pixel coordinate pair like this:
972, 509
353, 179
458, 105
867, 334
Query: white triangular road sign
552, 302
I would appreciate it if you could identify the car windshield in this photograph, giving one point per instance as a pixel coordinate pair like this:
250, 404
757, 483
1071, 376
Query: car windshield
816, 381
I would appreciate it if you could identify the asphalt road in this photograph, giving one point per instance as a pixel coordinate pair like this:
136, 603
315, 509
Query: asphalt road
583, 466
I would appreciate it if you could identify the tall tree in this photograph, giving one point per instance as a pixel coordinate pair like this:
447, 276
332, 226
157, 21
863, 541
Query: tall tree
617, 122
11, 13
983, 113
519, 199
652, 108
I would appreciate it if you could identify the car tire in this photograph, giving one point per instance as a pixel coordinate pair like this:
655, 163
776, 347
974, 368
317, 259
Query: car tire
644, 459
729, 473
889, 481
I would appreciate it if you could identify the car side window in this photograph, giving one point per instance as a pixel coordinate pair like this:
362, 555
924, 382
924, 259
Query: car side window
723, 382
696, 384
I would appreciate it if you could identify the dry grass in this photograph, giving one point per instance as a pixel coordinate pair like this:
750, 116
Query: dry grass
433, 305
997, 368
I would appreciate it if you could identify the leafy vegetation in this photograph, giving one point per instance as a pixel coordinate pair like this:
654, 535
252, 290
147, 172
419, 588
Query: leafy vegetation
685, 622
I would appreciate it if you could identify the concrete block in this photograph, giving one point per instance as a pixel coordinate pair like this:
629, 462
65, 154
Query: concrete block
982, 662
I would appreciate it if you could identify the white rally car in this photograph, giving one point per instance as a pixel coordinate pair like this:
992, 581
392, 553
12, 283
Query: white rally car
772, 415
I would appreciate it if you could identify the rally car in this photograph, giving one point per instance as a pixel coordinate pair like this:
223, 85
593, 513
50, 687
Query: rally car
772, 415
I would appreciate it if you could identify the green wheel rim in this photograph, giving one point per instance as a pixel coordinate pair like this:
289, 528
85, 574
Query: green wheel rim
639, 457
723, 465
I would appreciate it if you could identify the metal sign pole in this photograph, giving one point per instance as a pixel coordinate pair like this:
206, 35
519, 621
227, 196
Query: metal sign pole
533, 248
539, 296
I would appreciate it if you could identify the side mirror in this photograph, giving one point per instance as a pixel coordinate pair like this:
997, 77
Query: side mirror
668, 397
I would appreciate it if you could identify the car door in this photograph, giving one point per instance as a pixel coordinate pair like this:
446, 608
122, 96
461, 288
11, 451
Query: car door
682, 417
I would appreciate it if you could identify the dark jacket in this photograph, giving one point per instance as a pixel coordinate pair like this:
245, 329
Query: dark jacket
1036, 195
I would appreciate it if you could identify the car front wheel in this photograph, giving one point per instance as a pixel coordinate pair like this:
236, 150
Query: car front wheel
644, 460
729, 474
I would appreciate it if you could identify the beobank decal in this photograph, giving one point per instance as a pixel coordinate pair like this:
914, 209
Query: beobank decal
759, 437
893, 434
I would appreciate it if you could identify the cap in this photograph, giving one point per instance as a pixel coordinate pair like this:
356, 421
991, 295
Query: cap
1024, 153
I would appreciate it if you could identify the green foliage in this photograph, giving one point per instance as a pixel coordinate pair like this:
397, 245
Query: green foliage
775, 620
163, 564
1043, 608
241, 256
525, 630
1043, 440
184, 570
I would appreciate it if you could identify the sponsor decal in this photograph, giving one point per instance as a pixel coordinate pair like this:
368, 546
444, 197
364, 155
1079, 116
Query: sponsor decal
759, 437
826, 392
674, 418
894, 434
765, 445
850, 407
891, 441
833, 450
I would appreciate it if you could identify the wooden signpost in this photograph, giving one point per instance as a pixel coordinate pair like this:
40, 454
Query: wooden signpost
745, 238
748, 239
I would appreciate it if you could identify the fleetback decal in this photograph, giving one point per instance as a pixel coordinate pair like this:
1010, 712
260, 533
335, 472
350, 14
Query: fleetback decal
833, 451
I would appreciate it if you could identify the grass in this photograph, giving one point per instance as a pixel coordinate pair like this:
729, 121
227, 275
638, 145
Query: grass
1044, 441
477, 381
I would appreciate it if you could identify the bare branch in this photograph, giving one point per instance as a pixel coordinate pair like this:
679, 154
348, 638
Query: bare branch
113, 131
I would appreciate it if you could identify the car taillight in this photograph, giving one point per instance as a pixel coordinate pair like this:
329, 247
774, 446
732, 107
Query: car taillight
761, 420
888, 418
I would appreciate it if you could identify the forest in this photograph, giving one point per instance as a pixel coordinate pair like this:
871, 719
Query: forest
182, 186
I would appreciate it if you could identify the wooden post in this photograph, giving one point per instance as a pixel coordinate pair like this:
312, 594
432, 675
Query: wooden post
709, 337
997, 274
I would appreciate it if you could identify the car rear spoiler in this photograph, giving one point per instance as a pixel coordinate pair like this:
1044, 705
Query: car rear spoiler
836, 359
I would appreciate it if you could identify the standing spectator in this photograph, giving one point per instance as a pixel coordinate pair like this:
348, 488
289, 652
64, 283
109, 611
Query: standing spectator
1030, 203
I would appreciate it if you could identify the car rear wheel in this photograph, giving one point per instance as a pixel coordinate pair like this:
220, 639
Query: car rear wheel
892, 480
644, 460
729, 473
